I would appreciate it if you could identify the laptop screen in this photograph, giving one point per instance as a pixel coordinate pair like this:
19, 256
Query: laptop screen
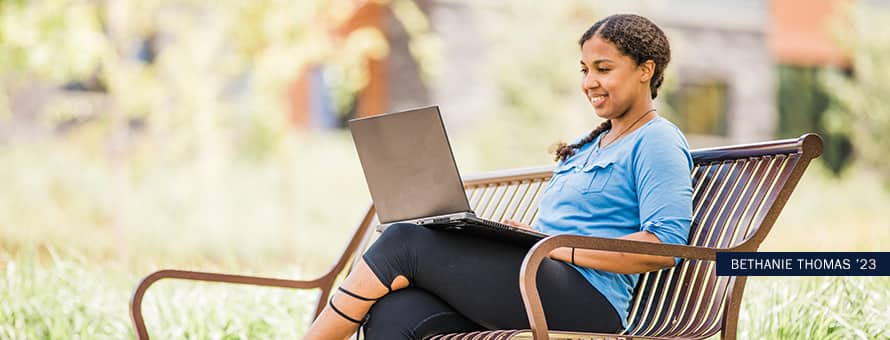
408, 164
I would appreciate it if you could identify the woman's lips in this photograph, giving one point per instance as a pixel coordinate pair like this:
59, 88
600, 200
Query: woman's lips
597, 100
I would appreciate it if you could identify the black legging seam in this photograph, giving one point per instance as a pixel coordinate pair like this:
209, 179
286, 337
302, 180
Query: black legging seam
414, 330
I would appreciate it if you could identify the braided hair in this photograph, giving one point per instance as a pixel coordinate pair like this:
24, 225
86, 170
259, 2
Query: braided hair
564, 150
637, 38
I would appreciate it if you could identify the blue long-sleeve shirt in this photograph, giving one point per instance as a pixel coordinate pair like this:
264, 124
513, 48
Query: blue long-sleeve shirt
640, 182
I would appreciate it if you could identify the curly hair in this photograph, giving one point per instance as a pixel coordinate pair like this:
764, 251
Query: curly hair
637, 38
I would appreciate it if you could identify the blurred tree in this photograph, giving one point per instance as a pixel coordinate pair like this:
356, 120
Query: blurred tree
195, 72
802, 103
860, 104
202, 82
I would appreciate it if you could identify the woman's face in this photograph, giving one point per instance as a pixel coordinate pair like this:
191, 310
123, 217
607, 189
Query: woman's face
612, 82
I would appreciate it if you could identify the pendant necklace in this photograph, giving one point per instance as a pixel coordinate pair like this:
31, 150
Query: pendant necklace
601, 145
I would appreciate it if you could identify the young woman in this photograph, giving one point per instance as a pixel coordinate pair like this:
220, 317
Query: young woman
628, 178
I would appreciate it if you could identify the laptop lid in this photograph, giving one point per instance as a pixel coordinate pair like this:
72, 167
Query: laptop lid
409, 165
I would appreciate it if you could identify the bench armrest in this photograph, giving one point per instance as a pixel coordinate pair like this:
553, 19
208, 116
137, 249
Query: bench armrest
528, 273
324, 283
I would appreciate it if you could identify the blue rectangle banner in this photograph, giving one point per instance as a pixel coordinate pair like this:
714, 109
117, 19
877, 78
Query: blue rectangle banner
803, 264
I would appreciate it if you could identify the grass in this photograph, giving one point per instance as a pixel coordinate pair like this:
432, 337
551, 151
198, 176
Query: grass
816, 308
287, 210
65, 299
68, 299
71, 252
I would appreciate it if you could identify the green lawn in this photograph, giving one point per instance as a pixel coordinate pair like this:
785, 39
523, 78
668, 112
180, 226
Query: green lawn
68, 299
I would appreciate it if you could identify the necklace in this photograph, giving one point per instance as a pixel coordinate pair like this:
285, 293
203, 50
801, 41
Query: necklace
602, 144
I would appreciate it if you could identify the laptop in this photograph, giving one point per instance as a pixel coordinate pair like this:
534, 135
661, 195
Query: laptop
412, 175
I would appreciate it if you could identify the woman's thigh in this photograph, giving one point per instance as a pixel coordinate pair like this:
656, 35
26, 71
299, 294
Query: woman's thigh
413, 313
479, 278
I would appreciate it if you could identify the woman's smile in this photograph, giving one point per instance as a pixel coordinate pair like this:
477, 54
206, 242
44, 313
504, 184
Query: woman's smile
597, 100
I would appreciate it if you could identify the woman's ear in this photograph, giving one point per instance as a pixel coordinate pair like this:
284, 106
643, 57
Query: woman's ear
648, 69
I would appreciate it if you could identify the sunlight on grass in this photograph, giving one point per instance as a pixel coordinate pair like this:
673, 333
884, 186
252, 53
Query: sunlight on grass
67, 299
298, 210
816, 308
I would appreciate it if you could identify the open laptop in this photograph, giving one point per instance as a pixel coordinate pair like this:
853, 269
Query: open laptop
412, 175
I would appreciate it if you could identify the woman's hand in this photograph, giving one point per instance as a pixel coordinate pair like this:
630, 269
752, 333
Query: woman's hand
516, 224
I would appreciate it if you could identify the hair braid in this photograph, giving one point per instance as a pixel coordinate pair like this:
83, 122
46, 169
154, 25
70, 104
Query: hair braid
564, 150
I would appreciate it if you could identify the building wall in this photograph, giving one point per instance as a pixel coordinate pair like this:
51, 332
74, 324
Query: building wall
801, 32
742, 61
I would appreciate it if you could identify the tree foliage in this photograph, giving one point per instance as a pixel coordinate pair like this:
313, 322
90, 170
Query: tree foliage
177, 105
802, 106
204, 77
860, 107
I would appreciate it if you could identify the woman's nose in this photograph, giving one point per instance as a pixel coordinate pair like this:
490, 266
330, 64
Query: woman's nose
590, 81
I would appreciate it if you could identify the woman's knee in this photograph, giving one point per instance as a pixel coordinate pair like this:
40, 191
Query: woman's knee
403, 239
403, 233
392, 257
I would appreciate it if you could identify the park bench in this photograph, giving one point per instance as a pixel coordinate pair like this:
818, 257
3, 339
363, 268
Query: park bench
738, 193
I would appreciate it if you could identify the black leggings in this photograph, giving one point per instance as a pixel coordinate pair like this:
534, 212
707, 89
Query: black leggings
460, 283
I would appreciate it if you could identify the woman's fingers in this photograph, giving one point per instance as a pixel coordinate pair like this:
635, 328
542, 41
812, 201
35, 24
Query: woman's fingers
515, 223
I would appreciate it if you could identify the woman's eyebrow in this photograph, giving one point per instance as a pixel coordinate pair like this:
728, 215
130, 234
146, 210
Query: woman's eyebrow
598, 61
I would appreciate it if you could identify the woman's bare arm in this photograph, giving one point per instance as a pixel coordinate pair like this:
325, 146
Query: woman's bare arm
624, 263
616, 262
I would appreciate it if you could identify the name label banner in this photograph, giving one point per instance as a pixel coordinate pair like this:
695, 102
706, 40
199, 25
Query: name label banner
803, 264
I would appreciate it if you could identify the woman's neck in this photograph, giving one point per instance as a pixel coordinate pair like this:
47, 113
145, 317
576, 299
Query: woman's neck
626, 120
627, 124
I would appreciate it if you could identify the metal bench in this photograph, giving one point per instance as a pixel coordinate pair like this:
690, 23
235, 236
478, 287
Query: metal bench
738, 194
